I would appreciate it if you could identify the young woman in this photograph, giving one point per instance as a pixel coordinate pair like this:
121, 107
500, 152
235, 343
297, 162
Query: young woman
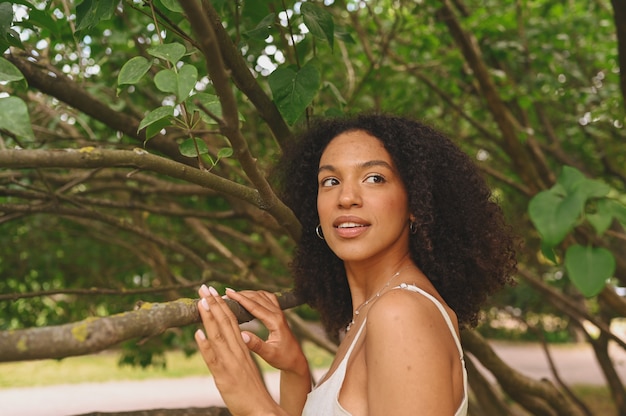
402, 242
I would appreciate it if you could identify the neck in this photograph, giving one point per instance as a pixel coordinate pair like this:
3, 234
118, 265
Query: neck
365, 280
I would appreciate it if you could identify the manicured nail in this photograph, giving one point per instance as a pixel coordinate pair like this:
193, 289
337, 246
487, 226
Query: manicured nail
245, 337
229, 290
204, 291
200, 335
213, 291
204, 304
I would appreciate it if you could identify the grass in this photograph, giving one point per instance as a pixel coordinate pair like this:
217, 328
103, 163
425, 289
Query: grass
104, 367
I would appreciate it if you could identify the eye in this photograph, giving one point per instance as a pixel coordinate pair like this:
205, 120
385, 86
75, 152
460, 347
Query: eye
326, 182
375, 179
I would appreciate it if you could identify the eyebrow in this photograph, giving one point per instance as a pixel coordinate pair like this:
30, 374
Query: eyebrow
364, 165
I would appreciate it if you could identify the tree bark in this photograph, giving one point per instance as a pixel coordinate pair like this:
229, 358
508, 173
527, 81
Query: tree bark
97, 334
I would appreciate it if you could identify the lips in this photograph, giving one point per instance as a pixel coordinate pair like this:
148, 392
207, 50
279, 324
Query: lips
350, 227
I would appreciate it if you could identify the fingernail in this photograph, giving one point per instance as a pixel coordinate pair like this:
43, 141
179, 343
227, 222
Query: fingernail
245, 337
204, 291
230, 290
213, 291
204, 304
200, 335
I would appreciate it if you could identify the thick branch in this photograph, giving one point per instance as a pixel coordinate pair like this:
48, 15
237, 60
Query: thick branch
245, 81
516, 385
504, 119
619, 15
97, 334
89, 158
229, 125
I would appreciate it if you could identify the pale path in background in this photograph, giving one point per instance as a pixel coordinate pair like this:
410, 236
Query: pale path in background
576, 365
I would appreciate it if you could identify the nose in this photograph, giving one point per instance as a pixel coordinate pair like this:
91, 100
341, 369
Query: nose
349, 195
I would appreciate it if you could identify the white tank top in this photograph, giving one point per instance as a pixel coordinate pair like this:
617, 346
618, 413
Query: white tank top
324, 399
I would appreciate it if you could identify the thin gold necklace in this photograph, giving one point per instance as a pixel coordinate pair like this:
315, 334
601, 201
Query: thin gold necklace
373, 298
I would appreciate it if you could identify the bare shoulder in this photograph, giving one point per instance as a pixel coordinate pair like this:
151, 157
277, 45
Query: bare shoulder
408, 314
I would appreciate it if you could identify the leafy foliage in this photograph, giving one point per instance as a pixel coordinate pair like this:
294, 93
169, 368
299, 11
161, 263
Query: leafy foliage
91, 225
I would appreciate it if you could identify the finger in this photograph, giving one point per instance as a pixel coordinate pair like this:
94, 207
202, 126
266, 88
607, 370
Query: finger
262, 305
204, 347
221, 324
260, 295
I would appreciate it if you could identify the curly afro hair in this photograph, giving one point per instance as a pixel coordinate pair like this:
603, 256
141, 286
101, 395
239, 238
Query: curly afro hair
462, 243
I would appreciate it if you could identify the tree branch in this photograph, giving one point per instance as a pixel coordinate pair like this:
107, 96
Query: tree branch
504, 119
97, 334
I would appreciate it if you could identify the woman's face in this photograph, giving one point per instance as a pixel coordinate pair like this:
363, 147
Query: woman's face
361, 200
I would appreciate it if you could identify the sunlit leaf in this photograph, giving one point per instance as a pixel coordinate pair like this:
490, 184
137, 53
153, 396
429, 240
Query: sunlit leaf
225, 152
603, 217
155, 116
9, 72
589, 268
171, 52
618, 210
166, 80
6, 18
554, 215
14, 117
133, 70
574, 181
186, 79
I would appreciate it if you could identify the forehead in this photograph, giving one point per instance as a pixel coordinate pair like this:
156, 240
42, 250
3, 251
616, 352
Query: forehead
354, 146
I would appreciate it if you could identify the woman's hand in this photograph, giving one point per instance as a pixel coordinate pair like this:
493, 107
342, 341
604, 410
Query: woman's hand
227, 356
281, 350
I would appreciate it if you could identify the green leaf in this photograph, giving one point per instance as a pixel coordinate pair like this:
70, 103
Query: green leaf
589, 268
225, 152
187, 77
188, 147
44, 19
603, 217
166, 80
618, 210
90, 12
319, 21
180, 83
293, 91
9, 72
575, 182
173, 5
156, 115
6, 18
133, 70
171, 52
262, 30
14, 117
211, 103
554, 215
156, 127
343, 35
548, 253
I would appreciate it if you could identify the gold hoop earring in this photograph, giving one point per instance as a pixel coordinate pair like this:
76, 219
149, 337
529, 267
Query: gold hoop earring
318, 231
